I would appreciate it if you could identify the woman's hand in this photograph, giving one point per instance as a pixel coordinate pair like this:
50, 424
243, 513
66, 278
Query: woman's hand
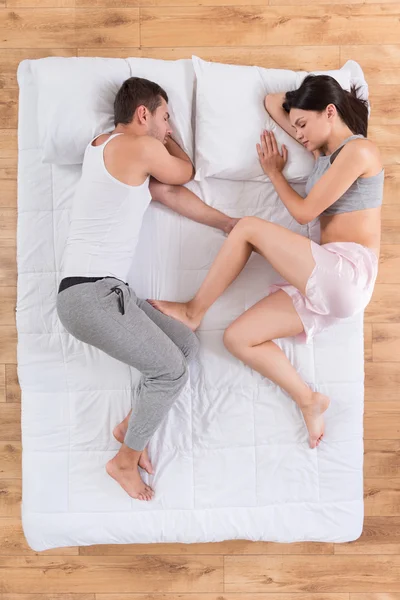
270, 158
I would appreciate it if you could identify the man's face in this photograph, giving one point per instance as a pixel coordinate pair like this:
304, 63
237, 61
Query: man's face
159, 126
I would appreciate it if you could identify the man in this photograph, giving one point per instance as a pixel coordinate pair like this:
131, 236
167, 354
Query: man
121, 172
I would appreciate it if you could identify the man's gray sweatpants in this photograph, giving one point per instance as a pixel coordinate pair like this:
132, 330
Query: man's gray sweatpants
158, 346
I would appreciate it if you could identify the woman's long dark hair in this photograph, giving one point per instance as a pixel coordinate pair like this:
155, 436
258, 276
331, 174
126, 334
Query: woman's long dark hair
317, 91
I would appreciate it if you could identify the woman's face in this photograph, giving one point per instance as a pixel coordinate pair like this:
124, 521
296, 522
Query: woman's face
312, 128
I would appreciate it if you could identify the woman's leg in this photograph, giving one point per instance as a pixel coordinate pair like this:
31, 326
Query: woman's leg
249, 338
288, 252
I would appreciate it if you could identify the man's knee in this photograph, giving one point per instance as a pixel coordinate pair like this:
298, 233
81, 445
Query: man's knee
191, 347
176, 368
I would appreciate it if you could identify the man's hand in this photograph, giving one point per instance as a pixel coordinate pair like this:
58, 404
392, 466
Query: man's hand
270, 158
229, 225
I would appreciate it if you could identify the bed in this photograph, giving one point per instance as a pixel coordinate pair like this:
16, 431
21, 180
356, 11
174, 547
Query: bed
231, 459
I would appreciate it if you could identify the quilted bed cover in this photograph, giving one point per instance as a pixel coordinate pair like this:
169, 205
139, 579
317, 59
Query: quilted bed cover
231, 459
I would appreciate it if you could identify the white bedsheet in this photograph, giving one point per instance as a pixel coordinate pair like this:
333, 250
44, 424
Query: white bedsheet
232, 459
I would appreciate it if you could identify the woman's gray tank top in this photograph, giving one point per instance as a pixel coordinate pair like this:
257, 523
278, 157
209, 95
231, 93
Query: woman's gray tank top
365, 192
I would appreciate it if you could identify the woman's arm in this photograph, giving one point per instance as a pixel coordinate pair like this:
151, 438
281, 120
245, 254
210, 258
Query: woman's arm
356, 159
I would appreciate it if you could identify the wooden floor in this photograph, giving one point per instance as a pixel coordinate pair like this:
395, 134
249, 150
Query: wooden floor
295, 34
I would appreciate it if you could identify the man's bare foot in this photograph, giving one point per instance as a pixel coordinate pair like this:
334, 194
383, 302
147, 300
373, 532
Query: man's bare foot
312, 413
124, 469
179, 311
119, 434
229, 225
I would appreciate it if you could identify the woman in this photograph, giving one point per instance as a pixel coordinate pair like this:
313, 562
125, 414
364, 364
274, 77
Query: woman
326, 282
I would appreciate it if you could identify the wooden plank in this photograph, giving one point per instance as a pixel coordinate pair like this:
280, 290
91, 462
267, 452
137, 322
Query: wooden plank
13, 542
381, 458
8, 269
68, 596
10, 460
8, 183
380, 63
381, 99
385, 135
386, 342
8, 343
389, 265
107, 27
10, 499
381, 535
270, 26
302, 58
13, 390
392, 185
11, 57
183, 3
391, 224
233, 596
8, 144
374, 393
40, 3
382, 497
37, 28
116, 574
71, 596
8, 107
229, 547
385, 304
8, 223
8, 297
367, 341
10, 421
292, 573
2, 386
68, 27
382, 419
331, 2
374, 596
382, 376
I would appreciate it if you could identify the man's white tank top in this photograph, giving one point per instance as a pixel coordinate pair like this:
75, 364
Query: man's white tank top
106, 219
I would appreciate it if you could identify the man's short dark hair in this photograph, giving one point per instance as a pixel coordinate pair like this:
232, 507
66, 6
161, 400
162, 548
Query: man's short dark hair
135, 92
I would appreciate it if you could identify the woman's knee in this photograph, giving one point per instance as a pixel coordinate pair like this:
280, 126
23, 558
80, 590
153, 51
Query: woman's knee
233, 341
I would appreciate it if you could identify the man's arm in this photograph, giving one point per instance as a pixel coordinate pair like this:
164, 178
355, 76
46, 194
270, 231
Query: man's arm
163, 165
175, 150
186, 203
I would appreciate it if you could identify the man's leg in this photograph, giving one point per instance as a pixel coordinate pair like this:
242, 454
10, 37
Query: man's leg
187, 342
183, 337
91, 312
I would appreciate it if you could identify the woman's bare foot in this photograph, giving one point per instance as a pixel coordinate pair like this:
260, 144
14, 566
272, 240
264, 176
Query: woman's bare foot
179, 311
312, 413
119, 434
124, 469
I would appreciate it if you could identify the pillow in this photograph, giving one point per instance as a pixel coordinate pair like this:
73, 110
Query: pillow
76, 100
231, 115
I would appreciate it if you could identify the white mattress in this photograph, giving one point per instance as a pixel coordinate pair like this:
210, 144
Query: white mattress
232, 459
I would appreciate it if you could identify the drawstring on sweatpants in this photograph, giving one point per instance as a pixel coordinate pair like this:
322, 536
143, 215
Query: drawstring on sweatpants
121, 304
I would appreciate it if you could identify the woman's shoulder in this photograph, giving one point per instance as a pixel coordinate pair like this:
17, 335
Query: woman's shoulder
366, 150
